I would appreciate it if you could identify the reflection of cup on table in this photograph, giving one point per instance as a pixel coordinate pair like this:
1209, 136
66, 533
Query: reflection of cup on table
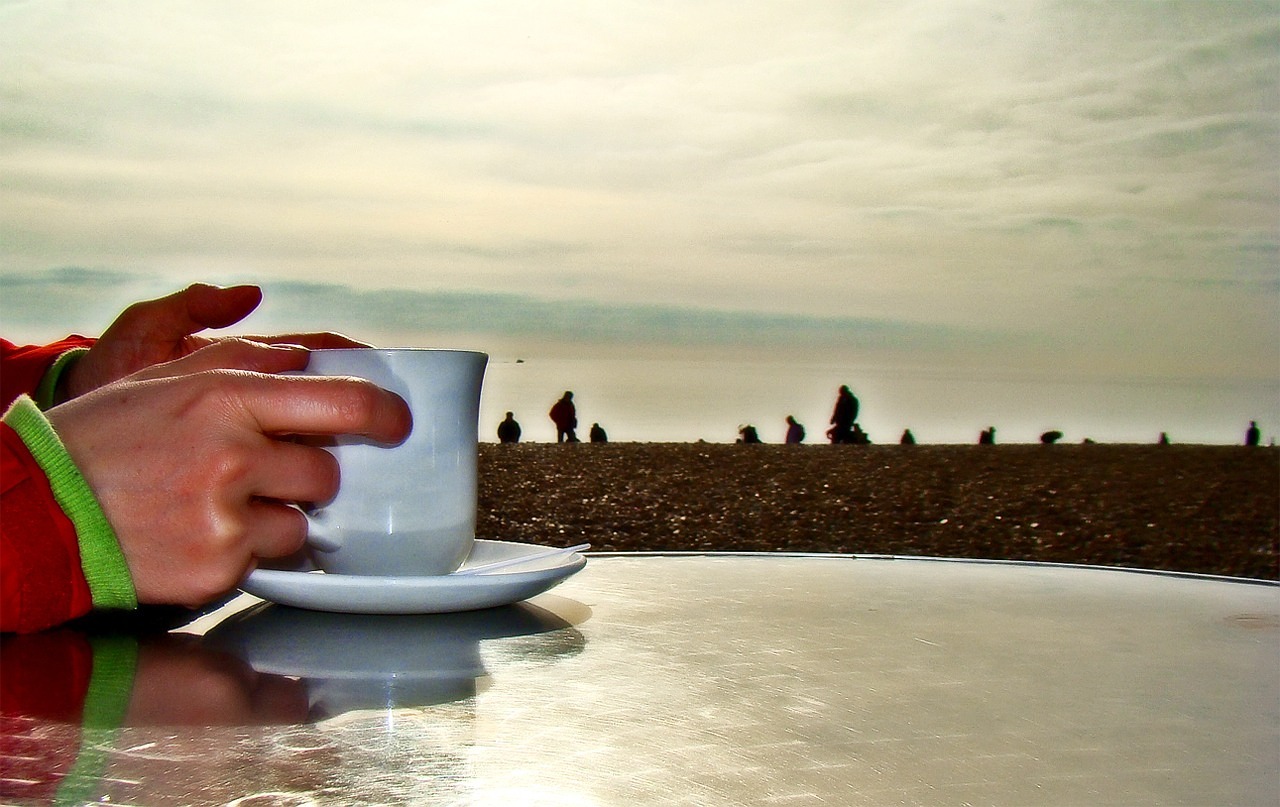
360, 661
408, 509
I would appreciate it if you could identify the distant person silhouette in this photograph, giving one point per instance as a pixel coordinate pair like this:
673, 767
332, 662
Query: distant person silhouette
843, 417
987, 437
1253, 436
509, 430
1164, 438
907, 439
1049, 438
795, 431
859, 437
565, 416
598, 434
749, 435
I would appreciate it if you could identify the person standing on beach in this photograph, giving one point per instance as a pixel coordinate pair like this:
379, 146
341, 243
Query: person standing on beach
509, 430
843, 417
1253, 436
795, 431
565, 416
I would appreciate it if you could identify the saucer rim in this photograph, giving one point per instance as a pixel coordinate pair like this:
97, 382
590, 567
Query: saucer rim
505, 585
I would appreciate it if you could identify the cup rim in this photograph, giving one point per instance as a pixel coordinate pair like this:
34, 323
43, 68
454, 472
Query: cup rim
460, 351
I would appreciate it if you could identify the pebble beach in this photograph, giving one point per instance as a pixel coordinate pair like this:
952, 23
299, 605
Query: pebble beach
1186, 508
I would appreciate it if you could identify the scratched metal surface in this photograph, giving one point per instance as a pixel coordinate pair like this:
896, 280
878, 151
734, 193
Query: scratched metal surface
727, 680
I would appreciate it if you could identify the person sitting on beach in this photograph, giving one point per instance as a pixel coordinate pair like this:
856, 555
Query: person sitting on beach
843, 417
987, 437
598, 434
509, 429
795, 431
749, 435
858, 437
565, 416
1253, 436
907, 439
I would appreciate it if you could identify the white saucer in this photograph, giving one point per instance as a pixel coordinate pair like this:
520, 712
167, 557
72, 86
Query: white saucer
438, 594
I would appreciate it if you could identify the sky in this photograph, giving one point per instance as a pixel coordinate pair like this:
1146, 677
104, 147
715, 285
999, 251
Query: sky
1083, 191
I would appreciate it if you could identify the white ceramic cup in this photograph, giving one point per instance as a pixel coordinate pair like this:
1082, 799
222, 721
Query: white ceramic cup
410, 509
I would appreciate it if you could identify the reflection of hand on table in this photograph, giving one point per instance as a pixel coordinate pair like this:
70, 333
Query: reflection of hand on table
55, 685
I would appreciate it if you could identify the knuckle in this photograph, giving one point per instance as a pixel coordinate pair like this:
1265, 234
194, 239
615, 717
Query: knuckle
352, 404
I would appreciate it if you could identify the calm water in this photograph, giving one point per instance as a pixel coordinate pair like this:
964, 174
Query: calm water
646, 399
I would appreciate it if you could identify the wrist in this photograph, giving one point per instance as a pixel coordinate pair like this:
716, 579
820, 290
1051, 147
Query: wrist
101, 559
55, 385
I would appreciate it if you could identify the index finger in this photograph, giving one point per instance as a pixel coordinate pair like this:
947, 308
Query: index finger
325, 406
324, 340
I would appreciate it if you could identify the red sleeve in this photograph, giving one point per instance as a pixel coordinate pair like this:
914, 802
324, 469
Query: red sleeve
41, 580
21, 368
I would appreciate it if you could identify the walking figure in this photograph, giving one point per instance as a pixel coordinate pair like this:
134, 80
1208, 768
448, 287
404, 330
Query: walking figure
565, 416
795, 431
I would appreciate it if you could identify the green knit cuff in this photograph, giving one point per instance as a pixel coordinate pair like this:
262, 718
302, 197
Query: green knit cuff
46, 394
100, 557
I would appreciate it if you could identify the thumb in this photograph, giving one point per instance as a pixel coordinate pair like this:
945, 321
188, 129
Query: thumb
189, 311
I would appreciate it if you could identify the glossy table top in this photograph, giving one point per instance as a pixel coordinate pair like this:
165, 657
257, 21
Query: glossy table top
696, 680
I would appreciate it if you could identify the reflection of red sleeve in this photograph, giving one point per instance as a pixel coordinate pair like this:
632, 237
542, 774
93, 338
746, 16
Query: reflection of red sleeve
43, 681
41, 581
21, 368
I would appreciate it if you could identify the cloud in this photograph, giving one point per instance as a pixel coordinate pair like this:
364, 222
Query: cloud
79, 298
973, 166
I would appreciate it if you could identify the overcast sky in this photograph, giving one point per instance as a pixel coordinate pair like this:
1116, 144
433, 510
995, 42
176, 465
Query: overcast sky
1088, 185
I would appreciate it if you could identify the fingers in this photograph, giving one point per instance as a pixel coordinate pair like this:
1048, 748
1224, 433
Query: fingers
233, 354
326, 405
292, 472
315, 341
274, 529
189, 311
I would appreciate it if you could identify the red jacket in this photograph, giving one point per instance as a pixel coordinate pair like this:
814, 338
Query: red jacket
41, 580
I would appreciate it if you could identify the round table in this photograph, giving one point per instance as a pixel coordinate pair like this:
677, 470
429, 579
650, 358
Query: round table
707, 680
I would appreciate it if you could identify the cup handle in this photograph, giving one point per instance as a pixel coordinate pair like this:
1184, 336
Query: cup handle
318, 537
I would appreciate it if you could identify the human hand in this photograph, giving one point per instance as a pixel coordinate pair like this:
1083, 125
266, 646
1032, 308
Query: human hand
156, 331
188, 462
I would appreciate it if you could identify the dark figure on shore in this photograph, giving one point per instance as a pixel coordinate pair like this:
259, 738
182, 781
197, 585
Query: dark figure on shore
1164, 438
907, 439
795, 431
565, 416
987, 437
843, 417
1049, 438
858, 437
749, 435
509, 430
1253, 436
598, 434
